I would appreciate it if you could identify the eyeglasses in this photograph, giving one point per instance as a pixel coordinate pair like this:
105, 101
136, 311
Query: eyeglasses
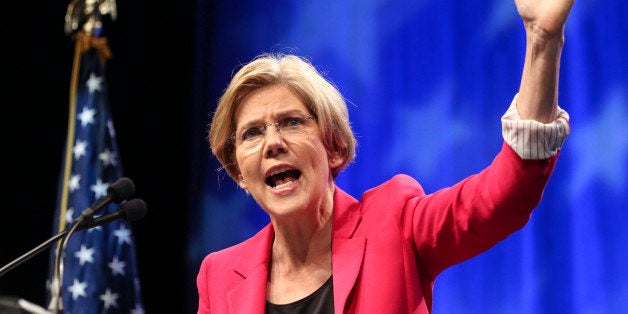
292, 128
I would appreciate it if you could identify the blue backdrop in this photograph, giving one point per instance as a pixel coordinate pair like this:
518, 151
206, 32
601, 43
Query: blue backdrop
427, 82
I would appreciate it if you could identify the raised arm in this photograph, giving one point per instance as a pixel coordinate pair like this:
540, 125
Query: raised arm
544, 22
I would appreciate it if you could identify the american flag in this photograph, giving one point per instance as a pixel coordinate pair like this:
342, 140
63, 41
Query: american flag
99, 265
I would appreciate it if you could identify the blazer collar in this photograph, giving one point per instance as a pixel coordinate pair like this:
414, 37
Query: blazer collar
249, 296
347, 249
346, 216
347, 256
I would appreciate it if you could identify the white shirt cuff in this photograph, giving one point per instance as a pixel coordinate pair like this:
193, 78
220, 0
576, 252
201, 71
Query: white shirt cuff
532, 139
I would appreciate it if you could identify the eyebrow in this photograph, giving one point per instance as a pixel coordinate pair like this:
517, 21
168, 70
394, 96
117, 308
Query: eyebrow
276, 116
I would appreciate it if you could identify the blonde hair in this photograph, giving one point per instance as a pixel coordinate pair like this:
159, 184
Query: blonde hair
320, 96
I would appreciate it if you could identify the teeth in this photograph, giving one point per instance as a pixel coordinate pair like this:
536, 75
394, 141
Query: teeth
283, 185
282, 177
278, 170
283, 181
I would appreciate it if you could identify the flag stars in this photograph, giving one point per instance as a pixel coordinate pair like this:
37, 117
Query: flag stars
108, 157
94, 83
78, 289
87, 116
69, 214
123, 234
100, 188
85, 255
96, 281
117, 266
74, 182
80, 149
109, 299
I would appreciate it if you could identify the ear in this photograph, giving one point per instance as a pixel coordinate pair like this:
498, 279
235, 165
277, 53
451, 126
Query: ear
242, 182
335, 160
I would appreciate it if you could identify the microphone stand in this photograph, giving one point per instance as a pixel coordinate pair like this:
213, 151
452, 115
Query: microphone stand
131, 210
18, 261
56, 302
26, 256
56, 285
134, 209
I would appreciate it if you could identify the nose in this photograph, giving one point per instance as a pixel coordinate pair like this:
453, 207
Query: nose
274, 142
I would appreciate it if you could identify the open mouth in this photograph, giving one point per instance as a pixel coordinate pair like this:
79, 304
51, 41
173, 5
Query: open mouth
283, 178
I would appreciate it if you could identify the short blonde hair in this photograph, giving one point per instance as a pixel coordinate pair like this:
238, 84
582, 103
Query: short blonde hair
320, 96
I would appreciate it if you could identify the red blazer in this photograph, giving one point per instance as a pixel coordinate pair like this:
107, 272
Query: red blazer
388, 247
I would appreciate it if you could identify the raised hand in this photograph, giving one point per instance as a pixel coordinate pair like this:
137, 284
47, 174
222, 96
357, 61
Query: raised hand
545, 18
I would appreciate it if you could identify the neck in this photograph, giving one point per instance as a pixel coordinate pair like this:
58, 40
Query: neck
298, 266
300, 260
302, 243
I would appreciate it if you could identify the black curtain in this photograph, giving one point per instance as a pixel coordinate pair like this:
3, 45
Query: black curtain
150, 84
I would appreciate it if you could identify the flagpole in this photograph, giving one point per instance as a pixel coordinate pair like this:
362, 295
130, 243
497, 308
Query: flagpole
83, 20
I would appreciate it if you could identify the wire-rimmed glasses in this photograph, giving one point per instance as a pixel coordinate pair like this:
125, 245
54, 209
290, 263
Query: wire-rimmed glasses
291, 128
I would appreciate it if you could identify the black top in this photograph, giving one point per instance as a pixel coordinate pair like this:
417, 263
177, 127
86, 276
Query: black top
319, 302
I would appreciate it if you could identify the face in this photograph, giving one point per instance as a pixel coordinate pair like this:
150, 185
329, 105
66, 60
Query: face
286, 171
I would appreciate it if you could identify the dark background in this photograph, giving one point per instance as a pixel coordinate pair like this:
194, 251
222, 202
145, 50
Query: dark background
149, 79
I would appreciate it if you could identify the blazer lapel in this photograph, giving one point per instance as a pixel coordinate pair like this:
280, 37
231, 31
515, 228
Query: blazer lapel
347, 250
347, 256
249, 296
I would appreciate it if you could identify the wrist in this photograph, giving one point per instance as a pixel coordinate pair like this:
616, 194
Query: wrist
542, 45
539, 36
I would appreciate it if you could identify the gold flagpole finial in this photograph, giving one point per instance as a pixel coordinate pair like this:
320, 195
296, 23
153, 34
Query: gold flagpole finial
87, 15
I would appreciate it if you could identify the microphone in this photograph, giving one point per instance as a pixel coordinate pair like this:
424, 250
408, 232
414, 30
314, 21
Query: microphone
131, 210
116, 193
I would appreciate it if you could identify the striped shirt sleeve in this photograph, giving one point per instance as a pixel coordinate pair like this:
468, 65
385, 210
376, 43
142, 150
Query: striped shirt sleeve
532, 139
